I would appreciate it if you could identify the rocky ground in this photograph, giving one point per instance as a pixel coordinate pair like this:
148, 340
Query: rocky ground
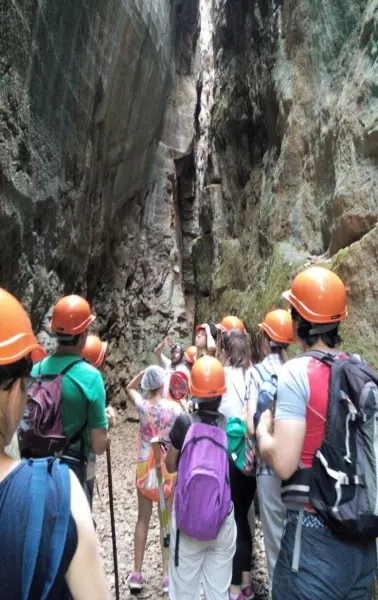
123, 450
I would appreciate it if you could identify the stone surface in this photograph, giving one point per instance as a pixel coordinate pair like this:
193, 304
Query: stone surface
294, 137
178, 160
87, 150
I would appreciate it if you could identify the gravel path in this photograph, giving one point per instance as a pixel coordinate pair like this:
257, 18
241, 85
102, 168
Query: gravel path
123, 450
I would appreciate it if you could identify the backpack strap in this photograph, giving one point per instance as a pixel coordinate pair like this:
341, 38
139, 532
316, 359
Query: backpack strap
263, 372
42, 469
65, 370
325, 357
68, 367
75, 438
61, 476
34, 525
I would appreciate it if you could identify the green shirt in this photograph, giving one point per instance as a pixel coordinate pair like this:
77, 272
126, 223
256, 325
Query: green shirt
83, 395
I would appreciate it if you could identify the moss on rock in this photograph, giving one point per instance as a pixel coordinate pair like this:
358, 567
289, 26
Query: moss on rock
266, 282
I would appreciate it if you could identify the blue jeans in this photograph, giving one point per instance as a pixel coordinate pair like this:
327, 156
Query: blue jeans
329, 568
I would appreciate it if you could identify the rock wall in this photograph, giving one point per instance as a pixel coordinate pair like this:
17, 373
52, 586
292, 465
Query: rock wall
86, 201
178, 160
295, 142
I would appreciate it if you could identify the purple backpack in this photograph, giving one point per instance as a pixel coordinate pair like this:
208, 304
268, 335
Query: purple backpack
203, 494
41, 431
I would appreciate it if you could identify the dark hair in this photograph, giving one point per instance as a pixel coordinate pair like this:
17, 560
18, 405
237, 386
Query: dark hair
21, 368
234, 343
68, 340
330, 338
208, 403
213, 330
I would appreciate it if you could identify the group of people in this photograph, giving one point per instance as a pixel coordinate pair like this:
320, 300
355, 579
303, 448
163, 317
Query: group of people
301, 431
280, 412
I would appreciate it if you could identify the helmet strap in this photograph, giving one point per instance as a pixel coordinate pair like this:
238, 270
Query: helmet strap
317, 329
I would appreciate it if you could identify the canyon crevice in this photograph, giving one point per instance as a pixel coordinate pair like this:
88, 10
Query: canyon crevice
175, 161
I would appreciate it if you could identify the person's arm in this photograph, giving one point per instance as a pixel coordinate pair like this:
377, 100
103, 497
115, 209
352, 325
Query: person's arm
177, 437
97, 419
163, 361
171, 459
131, 388
282, 448
210, 342
85, 576
99, 439
251, 402
111, 416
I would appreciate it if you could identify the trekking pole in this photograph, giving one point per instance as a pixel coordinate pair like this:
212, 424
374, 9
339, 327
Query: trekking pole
112, 521
163, 509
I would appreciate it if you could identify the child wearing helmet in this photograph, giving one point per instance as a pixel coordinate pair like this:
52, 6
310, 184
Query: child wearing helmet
156, 416
44, 513
202, 545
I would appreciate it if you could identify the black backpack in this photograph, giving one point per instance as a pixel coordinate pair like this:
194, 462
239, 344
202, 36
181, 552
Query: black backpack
342, 484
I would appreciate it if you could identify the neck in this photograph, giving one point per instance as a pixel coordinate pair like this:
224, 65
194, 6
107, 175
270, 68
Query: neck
69, 350
154, 399
319, 346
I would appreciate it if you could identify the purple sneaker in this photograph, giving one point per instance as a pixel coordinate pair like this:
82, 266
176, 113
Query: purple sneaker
165, 585
248, 593
134, 581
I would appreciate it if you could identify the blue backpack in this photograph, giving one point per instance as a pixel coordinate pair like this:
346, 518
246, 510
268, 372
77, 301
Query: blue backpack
36, 515
266, 394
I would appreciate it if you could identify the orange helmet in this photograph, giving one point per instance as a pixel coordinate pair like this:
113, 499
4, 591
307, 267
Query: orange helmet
38, 354
278, 325
17, 339
94, 350
190, 354
71, 316
231, 322
318, 295
207, 378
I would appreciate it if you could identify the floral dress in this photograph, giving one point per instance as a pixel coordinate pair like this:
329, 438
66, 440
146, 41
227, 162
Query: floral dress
155, 420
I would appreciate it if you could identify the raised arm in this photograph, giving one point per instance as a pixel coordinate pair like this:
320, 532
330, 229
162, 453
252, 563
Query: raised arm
131, 389
211, 344
163, 361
